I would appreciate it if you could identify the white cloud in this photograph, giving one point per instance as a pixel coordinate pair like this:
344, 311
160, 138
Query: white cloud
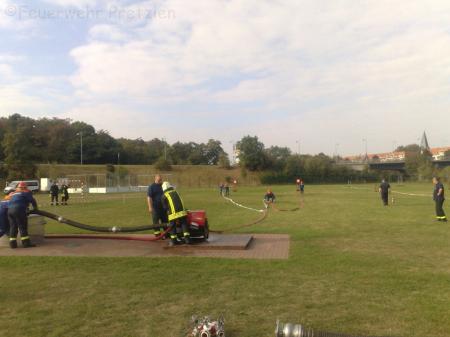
107, 32
341, 70
76, 3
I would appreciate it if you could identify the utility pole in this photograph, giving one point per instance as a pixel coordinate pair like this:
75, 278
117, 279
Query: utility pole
298, 146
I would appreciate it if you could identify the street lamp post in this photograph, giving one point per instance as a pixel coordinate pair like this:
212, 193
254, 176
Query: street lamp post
365, 143
81, 146
233, 153
165, 148
298, 146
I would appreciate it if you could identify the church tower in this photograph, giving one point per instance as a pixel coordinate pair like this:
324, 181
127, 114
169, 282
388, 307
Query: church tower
424, 143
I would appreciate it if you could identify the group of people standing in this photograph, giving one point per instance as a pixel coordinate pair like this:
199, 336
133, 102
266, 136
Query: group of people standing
438, 196
166, 206
300, 185
14, 217
224, 189
55, 190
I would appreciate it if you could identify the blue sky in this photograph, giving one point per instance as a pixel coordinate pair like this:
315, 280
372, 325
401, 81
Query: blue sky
326, 73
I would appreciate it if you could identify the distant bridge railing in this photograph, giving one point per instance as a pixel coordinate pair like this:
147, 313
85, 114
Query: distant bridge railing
397, 165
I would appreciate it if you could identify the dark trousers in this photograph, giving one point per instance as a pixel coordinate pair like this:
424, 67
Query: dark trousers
159, 217
64, 199
440, 214
4, 224
179, 223
385, 198
54, 198
18, 221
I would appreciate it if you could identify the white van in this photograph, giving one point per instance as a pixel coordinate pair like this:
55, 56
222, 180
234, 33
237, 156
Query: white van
33, 186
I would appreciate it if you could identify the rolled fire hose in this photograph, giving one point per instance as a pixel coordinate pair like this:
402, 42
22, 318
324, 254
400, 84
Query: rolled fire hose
113, 229
297, 330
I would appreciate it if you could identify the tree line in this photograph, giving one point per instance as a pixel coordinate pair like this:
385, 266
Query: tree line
280, 165
26, 141
419, 163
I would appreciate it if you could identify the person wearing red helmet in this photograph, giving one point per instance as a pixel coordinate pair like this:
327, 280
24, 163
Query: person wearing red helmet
17, 214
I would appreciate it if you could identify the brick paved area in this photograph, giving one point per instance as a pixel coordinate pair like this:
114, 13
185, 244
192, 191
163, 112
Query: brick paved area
255, 246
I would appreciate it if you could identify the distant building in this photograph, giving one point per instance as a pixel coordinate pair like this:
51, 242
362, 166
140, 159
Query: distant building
381, 157
237, 153
438, 153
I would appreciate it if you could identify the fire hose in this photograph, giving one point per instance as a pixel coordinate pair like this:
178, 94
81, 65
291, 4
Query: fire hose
272, 204
297, 330
113, 229
261, 218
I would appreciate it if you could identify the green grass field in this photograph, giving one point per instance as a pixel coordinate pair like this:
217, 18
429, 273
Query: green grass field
355, 267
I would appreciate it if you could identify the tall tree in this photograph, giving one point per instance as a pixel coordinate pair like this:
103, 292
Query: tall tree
19, 148
251, 153
213, 151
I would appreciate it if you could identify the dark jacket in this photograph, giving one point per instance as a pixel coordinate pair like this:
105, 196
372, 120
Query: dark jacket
437, 187
21, 200
54, 189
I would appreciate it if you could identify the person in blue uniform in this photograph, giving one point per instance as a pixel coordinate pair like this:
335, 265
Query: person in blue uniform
4, 221
302, 186
384, 192
269, 197
17, 215
155, 205
439, 198
54, 191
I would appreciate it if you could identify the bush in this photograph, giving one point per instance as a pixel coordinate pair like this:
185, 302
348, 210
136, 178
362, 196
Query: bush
163, 164
21, 171
122, 172
224, 161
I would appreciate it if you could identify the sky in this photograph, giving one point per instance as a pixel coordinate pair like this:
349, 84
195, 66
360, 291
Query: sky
319, 76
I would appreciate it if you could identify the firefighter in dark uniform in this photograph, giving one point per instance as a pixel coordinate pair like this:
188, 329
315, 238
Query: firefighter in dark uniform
64, 194
439, 198
155, 206
384, 192
4, 221
269, 197
54, 191
17, 214
176, 213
